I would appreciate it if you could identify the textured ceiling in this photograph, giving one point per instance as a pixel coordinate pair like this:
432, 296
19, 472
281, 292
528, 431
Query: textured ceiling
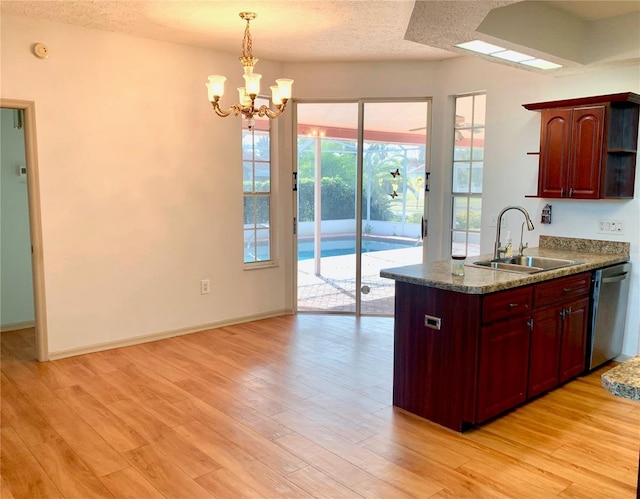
315, 30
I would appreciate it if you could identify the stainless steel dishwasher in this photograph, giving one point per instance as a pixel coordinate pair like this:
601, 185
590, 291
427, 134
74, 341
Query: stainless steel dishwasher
610, 295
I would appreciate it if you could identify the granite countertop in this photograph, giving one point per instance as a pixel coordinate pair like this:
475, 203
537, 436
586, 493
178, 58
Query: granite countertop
592, 254
624, 380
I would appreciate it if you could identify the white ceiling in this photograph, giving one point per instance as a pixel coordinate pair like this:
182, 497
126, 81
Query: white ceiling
356, 30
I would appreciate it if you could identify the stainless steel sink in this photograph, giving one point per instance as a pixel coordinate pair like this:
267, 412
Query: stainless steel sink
525, 264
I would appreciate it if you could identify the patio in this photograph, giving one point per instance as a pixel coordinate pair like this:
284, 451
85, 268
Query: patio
334, 290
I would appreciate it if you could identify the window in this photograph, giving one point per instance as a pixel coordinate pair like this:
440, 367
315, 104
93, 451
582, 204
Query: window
468, 158
256, 183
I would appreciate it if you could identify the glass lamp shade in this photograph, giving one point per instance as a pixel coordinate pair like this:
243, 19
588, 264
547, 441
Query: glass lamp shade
215, 86
275, 95
284, 85
245, 100
252, 83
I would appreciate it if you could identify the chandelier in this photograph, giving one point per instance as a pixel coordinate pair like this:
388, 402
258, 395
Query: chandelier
280, 94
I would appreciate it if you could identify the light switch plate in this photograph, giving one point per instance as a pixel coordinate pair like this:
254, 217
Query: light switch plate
610, 226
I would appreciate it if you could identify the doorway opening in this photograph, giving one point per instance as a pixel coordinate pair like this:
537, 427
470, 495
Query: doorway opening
361, 197
22, 114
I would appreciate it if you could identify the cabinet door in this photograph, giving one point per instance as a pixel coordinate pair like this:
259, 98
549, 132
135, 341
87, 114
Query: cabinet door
544, 353
574, 339
504, 360
555, 141
585, 164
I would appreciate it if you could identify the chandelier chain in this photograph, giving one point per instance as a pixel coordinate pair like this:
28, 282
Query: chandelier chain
247, 45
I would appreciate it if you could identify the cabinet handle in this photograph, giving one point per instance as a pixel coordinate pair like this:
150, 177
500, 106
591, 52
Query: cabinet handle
569, 290
561, 192
565, 312
530, 324
571, 192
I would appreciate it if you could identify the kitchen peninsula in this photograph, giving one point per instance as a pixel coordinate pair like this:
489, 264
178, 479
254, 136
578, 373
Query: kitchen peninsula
467, 348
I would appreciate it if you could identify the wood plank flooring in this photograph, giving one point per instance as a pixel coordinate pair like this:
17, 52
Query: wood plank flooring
295, 406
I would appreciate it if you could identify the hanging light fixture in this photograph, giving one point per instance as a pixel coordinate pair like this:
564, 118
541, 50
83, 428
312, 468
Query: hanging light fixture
280, 94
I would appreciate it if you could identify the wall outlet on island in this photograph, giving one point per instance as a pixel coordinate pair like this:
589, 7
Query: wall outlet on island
205, 286
611, 226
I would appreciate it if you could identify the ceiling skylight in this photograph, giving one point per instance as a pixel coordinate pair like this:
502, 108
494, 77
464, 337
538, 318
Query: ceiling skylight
541, 64
485, 48
512, 55
480, 47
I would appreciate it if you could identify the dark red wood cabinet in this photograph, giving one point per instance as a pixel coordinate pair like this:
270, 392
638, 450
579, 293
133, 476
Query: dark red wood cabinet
588, 147
544, 354
502, 374
558, 332
462, 359
504, 351
574, 339
434, 354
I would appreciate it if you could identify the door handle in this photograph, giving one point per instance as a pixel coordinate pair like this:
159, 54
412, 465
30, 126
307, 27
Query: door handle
615, 278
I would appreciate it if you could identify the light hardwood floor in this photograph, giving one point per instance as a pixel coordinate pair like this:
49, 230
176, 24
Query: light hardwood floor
296, 406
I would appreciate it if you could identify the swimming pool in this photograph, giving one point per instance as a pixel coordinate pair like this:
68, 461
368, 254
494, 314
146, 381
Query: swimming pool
347, 246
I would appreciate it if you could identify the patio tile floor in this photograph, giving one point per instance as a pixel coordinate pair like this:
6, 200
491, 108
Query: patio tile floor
334, 289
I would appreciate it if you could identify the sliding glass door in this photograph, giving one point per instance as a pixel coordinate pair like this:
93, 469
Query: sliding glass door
360, 201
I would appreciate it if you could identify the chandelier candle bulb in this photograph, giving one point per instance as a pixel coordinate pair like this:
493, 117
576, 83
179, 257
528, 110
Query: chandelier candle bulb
284, 85
252, 84
216, 86
245, 100
275, 95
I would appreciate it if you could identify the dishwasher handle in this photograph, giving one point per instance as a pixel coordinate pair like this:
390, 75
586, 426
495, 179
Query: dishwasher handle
615, 278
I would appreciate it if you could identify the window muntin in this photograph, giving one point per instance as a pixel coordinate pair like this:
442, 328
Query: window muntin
467, 173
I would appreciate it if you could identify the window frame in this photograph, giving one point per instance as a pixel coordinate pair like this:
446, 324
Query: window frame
471, 195
261, 126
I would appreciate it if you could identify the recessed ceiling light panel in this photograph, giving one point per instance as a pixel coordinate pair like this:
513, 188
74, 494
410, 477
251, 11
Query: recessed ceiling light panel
512, 55
480, 47
542, 64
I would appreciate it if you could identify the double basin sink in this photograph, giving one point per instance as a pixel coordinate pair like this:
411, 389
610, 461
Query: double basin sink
525, 264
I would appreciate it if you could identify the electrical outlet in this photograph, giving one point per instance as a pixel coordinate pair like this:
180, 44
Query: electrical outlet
205, 286
609, 226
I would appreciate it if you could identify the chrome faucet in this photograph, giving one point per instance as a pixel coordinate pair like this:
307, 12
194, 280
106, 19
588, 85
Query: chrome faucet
497, 249
522, 247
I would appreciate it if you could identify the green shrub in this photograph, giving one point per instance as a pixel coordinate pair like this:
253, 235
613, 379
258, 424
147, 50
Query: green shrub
338, 201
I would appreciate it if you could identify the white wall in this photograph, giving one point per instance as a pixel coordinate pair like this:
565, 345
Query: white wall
16, 296
140, 184
512, 131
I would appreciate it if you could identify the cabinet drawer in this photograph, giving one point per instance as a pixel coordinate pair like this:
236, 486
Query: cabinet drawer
506, 304
559, 290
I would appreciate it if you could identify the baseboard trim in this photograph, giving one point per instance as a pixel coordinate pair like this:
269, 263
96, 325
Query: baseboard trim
136, 340
17, 325
622, 358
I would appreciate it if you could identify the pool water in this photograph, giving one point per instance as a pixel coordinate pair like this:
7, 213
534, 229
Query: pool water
338, 247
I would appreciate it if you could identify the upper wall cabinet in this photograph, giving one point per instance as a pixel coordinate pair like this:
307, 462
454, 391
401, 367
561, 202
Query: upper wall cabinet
588, 147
